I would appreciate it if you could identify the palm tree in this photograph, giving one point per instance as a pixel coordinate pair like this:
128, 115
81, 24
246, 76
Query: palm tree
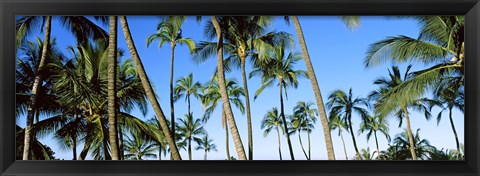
351, 22
169, 30
297, 124
138, 146
307, 113
82, 27
344, 105
244, 37
421, 146
384, 107
279, 68
372, 125
270, 121
440, 42
337, 123
148, 88
365, 155
449, 98
211, 96
185, 87
112, 89
223, 91
206, 144
190, 129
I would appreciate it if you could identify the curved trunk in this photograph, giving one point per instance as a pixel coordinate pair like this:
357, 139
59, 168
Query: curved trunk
279, 145
344, 147
149, 90
223, 92
349, 117
454, 131
410, 136
376, 142
247, 107
112, 98
316, 89
37, 83
227, 148
172, 107
301, 145
282, 114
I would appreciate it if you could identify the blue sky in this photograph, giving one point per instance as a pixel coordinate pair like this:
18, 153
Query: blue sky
337, 55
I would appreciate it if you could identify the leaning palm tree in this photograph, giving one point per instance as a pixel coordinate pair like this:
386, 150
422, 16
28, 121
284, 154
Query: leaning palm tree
137, 146
211, 97
82, 28
351, 22
169, 30
344, 105
185, 87
148, 88
223, 90
206, 144
372, 125
336, 122
400, 109
308, 114
190, 129
272, 120
279, 68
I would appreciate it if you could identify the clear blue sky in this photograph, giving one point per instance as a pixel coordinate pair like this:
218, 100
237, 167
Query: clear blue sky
337, 55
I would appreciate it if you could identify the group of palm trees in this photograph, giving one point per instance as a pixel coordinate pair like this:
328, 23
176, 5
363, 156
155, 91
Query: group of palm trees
90, 96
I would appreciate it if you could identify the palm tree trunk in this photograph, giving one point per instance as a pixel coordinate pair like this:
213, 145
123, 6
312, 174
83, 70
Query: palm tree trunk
35, 88
112, 68
227, 148
309, 151
247, 107
349, 117
344, 147
172, 106
279, 144
149, 90
159, 151
410, 136
84, 152
301, 145
188, 99
120, 143
316, 89
282, 114
74, 148
223, 91
376, 142
205, 156
453, 129
190, 148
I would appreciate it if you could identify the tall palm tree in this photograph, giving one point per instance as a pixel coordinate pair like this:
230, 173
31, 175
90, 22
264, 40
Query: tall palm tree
440, 42
82, 28
244, 37
344, 105
137, 146
191, 129
449, 98
211, 96
421, 146
372, 125
336, 122
384, 107
279, 68
223, 91
169, 30
351, 22
206, 144
148, 88
112, 89
270, 121
308, 115
185, 87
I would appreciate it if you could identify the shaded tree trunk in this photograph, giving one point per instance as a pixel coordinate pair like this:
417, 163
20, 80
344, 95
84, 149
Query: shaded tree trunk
74, 148
37, 83
247, 107
410, 135
172, 106
349, 117
282, 114
301, 145
223, 91
84, 152
344, 147
279, 144
316, 89
227, 145
149, 90
190, 148
112, 98
454, 130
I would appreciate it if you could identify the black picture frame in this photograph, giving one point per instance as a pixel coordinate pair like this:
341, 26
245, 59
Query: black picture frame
9, 8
